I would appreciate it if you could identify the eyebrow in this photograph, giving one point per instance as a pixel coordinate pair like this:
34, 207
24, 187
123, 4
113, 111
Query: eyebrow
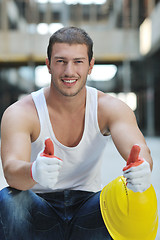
78, 58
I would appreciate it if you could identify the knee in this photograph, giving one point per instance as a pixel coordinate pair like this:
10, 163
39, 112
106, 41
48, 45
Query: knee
12, 199
15, 208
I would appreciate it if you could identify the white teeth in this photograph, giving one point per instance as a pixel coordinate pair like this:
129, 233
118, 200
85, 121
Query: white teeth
69, 81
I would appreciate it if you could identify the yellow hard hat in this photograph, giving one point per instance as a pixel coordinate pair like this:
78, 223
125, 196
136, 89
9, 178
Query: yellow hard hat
129, 215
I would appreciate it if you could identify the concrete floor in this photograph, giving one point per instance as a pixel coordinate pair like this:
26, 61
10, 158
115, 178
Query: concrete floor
113, 164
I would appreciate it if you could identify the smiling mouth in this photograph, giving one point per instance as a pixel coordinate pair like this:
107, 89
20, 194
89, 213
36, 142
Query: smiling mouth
69, 80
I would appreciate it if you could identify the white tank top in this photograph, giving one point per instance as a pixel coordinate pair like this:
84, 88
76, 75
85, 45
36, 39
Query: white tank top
81, 168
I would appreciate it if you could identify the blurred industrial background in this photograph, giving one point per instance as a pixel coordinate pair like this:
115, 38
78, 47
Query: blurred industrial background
126, 35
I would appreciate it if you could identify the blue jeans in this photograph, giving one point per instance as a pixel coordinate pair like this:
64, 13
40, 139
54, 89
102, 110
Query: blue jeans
67, 215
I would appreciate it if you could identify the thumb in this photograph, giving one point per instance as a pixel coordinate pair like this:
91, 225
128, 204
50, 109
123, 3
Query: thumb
134, 154
134, 159
49, 148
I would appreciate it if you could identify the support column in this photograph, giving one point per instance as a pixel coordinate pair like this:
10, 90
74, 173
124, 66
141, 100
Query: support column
151, 5
4, 15
93, 14
65, 14
134, 13
150, 114
5, 26
126, 76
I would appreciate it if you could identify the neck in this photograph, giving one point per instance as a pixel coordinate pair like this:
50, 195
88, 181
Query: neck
62, 103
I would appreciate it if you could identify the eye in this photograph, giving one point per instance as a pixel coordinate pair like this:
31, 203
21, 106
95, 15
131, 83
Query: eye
60, 61
79, 61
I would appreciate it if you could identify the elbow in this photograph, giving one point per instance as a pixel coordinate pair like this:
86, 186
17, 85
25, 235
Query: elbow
149, 159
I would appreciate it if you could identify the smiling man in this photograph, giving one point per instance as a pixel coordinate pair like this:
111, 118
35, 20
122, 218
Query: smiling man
69, 67
54, 194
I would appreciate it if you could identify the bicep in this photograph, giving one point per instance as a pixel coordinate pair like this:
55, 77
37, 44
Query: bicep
15, 137
125, 131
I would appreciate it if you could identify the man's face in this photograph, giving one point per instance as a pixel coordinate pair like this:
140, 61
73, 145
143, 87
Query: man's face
69, 67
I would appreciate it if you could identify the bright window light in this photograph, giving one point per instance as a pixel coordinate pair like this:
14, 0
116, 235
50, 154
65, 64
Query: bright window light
129, 98
69, 2
42, 28
145, 36
42, 77
51, 1
42, 1
32, 28
91, 1
99, 1
102, 72
56, 1
84, 1
53, 27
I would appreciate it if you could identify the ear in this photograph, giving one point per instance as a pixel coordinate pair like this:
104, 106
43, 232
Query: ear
48, 65
91, 65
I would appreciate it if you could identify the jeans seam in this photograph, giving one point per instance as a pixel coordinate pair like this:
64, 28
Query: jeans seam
47, 229
88, 229
74, 217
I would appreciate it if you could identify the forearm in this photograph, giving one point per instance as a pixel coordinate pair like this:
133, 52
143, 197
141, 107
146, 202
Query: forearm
18, 174
131, 136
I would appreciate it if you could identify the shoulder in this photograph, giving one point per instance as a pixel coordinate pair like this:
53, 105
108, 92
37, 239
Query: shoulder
112, 109
108, 102
19, 114
20, 107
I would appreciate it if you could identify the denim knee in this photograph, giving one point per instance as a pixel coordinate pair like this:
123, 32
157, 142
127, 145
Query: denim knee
25, 215
15, 202
15, 208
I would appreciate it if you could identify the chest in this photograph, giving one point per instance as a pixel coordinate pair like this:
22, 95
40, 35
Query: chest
68, 128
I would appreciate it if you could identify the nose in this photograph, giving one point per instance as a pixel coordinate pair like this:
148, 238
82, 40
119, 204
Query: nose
69, 69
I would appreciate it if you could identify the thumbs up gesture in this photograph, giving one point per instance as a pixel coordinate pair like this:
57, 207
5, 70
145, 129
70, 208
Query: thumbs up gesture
137, 171
45, 169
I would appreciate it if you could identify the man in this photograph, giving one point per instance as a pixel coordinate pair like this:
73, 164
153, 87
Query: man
57, 196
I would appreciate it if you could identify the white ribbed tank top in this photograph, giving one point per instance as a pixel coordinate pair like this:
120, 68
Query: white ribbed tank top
81, 168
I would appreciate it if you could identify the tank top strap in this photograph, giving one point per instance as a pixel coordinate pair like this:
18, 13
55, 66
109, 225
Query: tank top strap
93, 109
42, 111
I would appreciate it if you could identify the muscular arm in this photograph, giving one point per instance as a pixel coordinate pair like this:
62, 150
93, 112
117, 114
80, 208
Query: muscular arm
123, 127
16, 146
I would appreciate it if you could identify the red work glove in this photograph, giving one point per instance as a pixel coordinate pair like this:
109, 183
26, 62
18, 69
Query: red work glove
45, 169
137, 171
